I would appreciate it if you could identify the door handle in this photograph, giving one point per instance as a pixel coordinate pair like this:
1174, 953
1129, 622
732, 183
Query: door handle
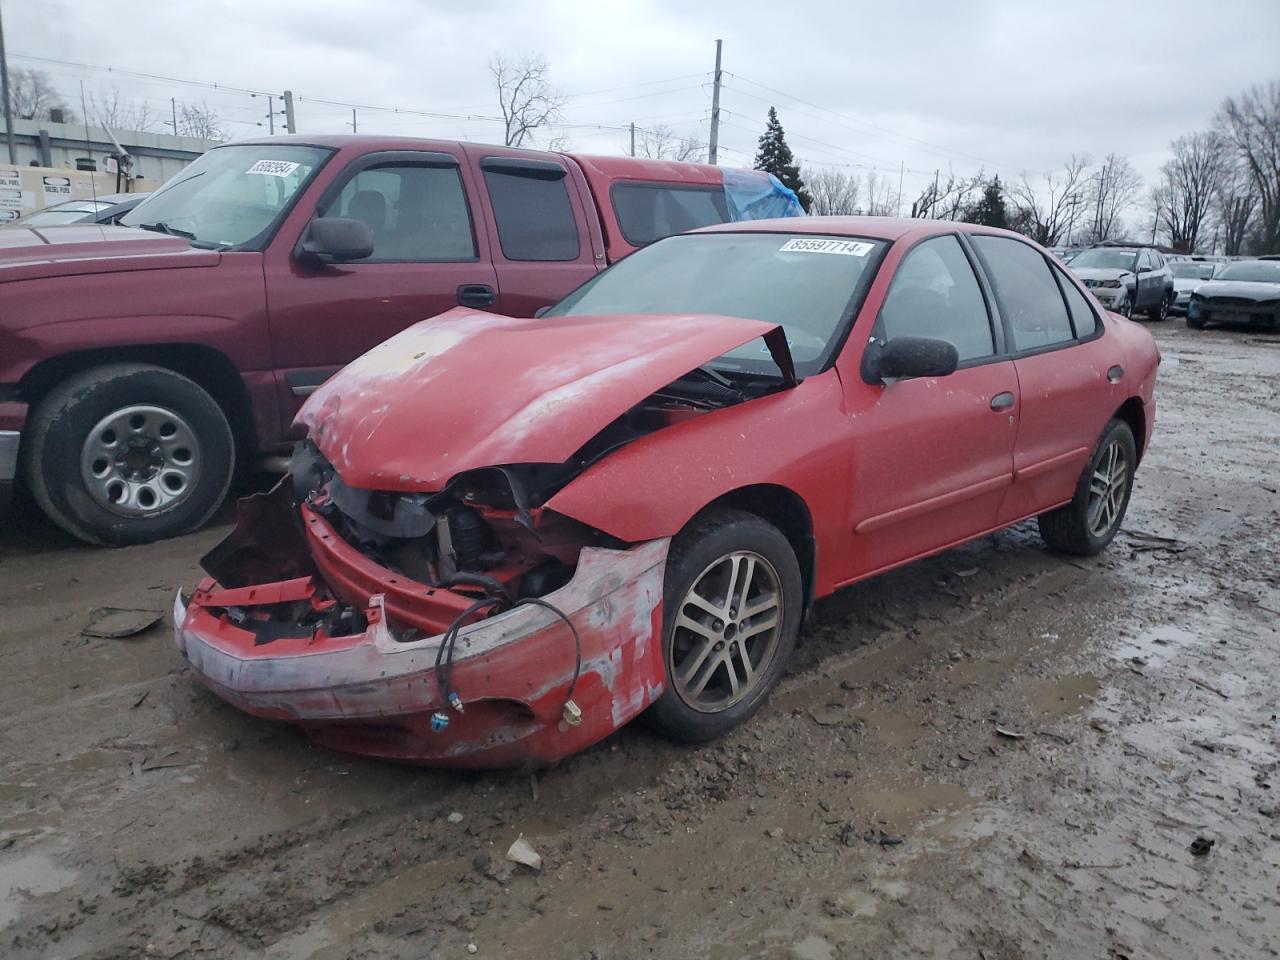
1002, 401
476, 295
1115, 373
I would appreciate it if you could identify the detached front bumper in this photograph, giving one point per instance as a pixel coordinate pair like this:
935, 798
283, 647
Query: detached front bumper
371, 693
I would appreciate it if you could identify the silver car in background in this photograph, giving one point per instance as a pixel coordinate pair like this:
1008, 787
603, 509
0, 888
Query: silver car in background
1187, 275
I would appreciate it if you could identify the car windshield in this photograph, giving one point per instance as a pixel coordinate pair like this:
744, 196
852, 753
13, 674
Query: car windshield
1113, 259
1187, 270
804, 282
230, 197
1262, 271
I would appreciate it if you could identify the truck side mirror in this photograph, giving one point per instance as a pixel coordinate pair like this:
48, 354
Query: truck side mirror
336, 240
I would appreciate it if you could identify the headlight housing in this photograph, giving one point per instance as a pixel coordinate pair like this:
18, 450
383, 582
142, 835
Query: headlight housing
1110, 283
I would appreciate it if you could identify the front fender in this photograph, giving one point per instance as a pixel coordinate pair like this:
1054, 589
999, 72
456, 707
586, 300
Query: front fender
797, 439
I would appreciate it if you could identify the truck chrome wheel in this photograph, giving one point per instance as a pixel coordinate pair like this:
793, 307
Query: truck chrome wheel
1107, 489
140, 460
726, 631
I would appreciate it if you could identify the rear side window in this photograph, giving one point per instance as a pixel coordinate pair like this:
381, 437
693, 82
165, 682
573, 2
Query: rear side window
1029, 298
935, 294
533, 214
650, 211
1082, 315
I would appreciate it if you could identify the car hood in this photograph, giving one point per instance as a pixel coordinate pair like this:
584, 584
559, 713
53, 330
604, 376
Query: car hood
32, 252
1101, 273
469, 389
1240, 289
1183, 284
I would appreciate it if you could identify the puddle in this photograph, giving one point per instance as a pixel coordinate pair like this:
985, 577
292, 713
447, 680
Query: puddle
903, 805
813, 947
1159, 645
892, 729
26, 877
1063, 695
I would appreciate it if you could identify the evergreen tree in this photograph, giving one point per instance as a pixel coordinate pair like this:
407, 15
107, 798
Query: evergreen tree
989, 210
774, 156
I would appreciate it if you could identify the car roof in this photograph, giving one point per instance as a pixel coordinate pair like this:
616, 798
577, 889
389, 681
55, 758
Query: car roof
873, 228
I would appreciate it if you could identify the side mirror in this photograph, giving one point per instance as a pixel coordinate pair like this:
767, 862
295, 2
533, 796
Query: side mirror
337, 239
910, 357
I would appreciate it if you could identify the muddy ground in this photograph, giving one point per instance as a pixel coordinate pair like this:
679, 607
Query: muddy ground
874, 808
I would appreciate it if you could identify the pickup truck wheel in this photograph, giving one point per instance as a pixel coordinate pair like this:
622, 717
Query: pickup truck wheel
1090, 521
129, 453
731, 612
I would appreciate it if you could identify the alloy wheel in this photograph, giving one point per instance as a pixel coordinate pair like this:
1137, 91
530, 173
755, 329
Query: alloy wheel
1108, 488
726, 631
139, 460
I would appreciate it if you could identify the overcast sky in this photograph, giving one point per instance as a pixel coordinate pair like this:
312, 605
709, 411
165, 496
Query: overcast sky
1009, 85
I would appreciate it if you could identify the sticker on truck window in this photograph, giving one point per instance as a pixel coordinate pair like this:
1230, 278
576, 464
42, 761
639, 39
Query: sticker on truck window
848, 248
273, 168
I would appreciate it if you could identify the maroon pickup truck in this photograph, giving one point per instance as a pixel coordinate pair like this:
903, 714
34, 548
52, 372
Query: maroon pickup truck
140, 364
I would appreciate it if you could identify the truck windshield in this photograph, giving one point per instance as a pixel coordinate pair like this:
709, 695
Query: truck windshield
805, 282
231, 197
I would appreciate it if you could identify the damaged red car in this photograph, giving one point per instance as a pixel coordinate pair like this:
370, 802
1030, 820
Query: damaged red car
505, 538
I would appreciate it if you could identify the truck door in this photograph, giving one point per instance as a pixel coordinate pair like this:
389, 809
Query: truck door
540, 231
430, 254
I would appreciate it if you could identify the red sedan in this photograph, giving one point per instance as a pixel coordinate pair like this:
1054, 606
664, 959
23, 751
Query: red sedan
505, 538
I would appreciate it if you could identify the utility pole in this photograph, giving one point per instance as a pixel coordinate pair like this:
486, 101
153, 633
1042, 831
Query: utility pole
353, 119
633, 138
271, 115
8, 107
714, 141
289, 125
902, 166
173, 104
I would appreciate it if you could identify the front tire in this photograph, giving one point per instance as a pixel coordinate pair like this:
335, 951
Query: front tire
129, 453
1194, 323
732, 604
1124, 307
1085, 526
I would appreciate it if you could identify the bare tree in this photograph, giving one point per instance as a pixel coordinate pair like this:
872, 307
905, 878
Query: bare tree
1112, 190
526, 97
1235, 205
662, 143
882, 198
200, 120
945, 200
112, 110
834, 192
1049, 211
1251, 123
32, 95
1189, 181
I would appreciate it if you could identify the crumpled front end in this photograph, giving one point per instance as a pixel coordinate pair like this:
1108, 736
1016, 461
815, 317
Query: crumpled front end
433, 629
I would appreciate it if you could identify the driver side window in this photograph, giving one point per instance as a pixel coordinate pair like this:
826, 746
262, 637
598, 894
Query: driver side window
935, 294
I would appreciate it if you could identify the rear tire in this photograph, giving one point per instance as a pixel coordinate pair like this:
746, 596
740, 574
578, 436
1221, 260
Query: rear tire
1160, 312
732, 603
129, 453
1085, 526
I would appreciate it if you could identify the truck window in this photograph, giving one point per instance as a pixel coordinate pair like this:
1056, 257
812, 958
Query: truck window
415, 213
650, 211
533, 214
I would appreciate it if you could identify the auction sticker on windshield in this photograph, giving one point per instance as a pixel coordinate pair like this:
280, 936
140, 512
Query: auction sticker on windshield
848, 248
273, 168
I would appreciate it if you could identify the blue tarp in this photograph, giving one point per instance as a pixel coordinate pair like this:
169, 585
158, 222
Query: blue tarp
756, 195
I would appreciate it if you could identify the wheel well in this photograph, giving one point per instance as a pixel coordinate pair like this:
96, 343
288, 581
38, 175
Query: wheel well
209, 368
1132, 413
788, 512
